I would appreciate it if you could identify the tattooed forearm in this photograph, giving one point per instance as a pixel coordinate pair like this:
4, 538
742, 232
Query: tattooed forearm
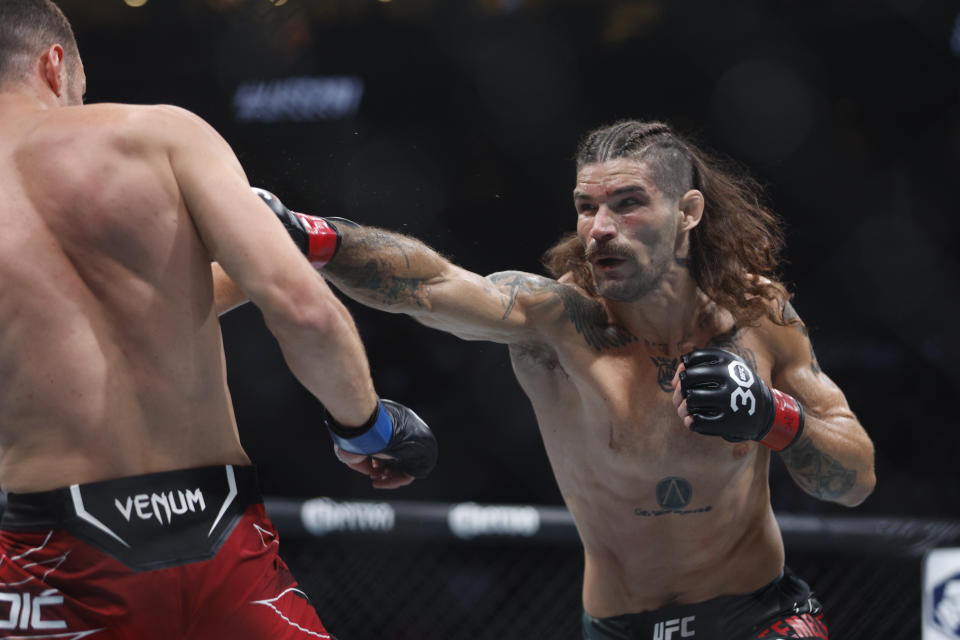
385, 267
817, 473
357, 244
377, 278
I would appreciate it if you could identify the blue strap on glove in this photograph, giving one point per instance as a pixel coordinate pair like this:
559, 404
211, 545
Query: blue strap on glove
395, 431
374, 438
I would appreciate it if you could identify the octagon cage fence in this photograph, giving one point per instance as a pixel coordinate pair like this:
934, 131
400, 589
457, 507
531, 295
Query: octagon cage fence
424, 570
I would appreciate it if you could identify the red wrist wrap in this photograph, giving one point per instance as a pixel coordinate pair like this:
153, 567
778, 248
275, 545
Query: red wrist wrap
324, 239
787, 422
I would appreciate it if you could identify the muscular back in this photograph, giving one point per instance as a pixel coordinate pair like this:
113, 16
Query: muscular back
110, 354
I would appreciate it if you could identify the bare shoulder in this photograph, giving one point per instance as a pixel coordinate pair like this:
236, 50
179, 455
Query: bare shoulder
125, 128
541, 299
157, 123
787, 341
561, 309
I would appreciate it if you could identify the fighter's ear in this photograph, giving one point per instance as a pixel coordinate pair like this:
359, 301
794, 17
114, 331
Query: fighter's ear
691, 209
53, 69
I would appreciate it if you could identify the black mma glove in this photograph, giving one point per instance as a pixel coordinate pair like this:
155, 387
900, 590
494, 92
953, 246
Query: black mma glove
726, 398
392, 430
318, 238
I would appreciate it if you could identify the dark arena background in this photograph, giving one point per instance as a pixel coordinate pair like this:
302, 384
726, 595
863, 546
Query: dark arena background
456, 121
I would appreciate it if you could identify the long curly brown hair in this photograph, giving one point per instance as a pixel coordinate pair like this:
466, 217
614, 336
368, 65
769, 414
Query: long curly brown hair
735, 251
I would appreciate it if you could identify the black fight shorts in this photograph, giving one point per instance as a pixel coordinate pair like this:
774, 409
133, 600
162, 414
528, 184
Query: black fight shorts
784, 609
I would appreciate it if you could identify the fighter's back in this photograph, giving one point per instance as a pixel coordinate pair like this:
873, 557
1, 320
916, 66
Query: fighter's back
110, 354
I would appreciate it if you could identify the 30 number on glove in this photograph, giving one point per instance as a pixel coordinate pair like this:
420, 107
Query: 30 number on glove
726, 398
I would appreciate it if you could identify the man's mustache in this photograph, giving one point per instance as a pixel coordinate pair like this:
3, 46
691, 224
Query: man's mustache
608, 249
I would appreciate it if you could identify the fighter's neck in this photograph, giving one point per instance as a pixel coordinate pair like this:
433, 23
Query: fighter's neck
670, 315
22, 97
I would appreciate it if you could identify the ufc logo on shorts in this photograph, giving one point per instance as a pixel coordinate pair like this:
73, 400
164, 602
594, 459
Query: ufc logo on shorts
25, 611
666, 630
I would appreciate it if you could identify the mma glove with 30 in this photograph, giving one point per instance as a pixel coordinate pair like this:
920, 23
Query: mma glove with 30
726, 398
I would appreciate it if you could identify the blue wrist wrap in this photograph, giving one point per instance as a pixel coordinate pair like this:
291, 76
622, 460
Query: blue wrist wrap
373, 440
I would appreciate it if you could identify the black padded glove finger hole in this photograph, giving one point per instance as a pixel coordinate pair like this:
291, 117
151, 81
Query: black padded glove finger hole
704, 384
707, 414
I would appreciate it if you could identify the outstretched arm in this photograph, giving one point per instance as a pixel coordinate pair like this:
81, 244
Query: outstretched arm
399, 274
393, 272
833, 458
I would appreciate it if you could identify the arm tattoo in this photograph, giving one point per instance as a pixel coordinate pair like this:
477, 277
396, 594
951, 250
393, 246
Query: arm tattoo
373, 260
377, 276
790, 314
361, 243
729, 342
518, 283
587, 315
590, 320
817, 473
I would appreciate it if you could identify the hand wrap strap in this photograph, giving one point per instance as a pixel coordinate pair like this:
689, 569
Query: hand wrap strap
323, 239
787, 424
372, 437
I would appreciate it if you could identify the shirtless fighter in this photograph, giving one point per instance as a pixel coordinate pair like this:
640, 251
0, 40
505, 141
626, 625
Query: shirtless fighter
664, 365
132, 510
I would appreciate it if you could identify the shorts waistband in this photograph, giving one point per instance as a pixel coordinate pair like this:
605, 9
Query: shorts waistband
710, 618
146, 521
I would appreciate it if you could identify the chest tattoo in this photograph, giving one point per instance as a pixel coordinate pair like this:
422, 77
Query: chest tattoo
666, 368
673, 495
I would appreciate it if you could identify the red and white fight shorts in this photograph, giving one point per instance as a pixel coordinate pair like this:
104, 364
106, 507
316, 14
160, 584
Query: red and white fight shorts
182, 554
